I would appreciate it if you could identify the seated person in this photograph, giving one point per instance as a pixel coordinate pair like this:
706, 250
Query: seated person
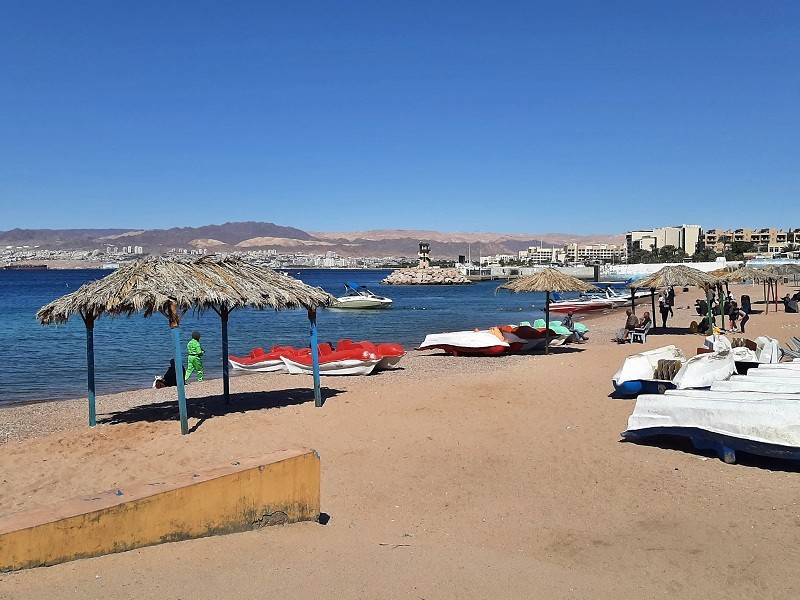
789, 304
569, 324
701, 306
645, 323
169, 378
703, 327
630, 324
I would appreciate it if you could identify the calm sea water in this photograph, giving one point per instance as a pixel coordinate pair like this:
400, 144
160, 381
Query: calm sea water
42, 363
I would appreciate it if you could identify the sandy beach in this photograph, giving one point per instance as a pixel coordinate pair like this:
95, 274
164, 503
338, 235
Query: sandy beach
497, 477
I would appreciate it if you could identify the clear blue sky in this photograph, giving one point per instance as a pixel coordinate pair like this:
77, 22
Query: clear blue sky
581, 117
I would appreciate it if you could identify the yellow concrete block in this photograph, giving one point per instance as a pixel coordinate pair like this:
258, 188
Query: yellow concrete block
281, 487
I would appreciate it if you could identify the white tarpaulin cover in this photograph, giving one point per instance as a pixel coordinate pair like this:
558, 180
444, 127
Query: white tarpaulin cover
767, 421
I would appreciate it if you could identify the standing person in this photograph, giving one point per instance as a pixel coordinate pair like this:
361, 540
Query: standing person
671, 299
664, 308
733, 315
742, 316
195, 357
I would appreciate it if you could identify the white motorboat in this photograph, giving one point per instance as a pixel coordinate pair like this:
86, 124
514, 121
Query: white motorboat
358, 296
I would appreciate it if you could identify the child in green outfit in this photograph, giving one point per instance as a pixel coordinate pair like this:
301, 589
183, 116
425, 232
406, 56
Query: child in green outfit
195, 357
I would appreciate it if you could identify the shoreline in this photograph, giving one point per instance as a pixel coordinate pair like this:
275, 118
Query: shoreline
496, 477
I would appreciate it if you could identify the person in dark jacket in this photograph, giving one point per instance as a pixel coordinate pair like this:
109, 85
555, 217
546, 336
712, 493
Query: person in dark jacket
664, 308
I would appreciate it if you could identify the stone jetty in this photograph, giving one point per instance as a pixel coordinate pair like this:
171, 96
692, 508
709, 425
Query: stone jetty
429, 276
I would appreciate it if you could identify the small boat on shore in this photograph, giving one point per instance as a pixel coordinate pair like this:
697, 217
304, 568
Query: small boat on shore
349, 358
766, 426
358, 296
336, 363
656, 371
258, 361
649, 369
467, 343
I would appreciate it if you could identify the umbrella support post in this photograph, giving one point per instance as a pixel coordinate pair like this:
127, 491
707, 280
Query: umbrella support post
312, 317
176, 339
547, 324
653, 303
226, 374
90, 369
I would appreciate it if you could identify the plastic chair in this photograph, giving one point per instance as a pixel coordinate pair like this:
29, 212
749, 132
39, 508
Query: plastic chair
639, 335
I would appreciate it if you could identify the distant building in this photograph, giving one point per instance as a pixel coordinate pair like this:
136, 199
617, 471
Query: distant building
685, 237
539, 255
768, 240
590, 253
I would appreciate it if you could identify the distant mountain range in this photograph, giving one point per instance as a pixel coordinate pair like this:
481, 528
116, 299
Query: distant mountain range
255, 236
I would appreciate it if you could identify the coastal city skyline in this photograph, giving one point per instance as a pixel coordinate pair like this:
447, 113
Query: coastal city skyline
504, 117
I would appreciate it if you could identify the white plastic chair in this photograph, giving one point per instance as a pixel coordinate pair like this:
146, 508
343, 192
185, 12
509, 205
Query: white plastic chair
640, 335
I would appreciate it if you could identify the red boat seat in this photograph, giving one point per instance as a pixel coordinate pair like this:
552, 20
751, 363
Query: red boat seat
344, 344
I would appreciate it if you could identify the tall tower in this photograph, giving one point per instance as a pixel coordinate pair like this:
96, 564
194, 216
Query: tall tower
424, 259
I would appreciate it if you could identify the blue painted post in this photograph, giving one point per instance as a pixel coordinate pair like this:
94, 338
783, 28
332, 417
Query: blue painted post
176, 338
312, 316
175, 325
226, 387
90, 369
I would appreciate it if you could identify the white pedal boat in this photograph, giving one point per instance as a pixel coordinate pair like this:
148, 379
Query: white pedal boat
349, 366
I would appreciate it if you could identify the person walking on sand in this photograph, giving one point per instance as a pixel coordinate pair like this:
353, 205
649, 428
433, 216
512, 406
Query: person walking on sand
195, 357
665, 309
670, 300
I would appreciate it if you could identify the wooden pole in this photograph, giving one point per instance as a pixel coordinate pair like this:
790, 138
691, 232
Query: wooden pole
226, 373
175, 325
710, 310
633, 297
89, 322
312, 317
766, 301
653, 304
547, 323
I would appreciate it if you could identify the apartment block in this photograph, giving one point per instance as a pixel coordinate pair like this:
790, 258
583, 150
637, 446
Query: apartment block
767, 240
589, 253
685, 237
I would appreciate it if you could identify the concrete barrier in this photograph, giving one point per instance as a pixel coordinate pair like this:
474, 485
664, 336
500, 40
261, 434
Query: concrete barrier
281, 487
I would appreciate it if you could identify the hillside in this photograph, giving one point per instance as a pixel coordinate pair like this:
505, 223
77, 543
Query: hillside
244, 236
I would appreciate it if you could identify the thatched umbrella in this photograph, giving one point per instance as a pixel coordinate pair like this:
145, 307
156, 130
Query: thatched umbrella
676, 276
773, 275
548, 280
172, 286
746, 273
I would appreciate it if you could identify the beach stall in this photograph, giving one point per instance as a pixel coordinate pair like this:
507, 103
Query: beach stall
548, 280
172, 286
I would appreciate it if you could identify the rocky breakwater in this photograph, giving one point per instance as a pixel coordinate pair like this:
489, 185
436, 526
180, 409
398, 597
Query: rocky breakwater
426, 277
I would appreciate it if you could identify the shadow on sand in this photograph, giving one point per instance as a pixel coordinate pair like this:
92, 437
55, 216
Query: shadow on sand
743, 459
208, 407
